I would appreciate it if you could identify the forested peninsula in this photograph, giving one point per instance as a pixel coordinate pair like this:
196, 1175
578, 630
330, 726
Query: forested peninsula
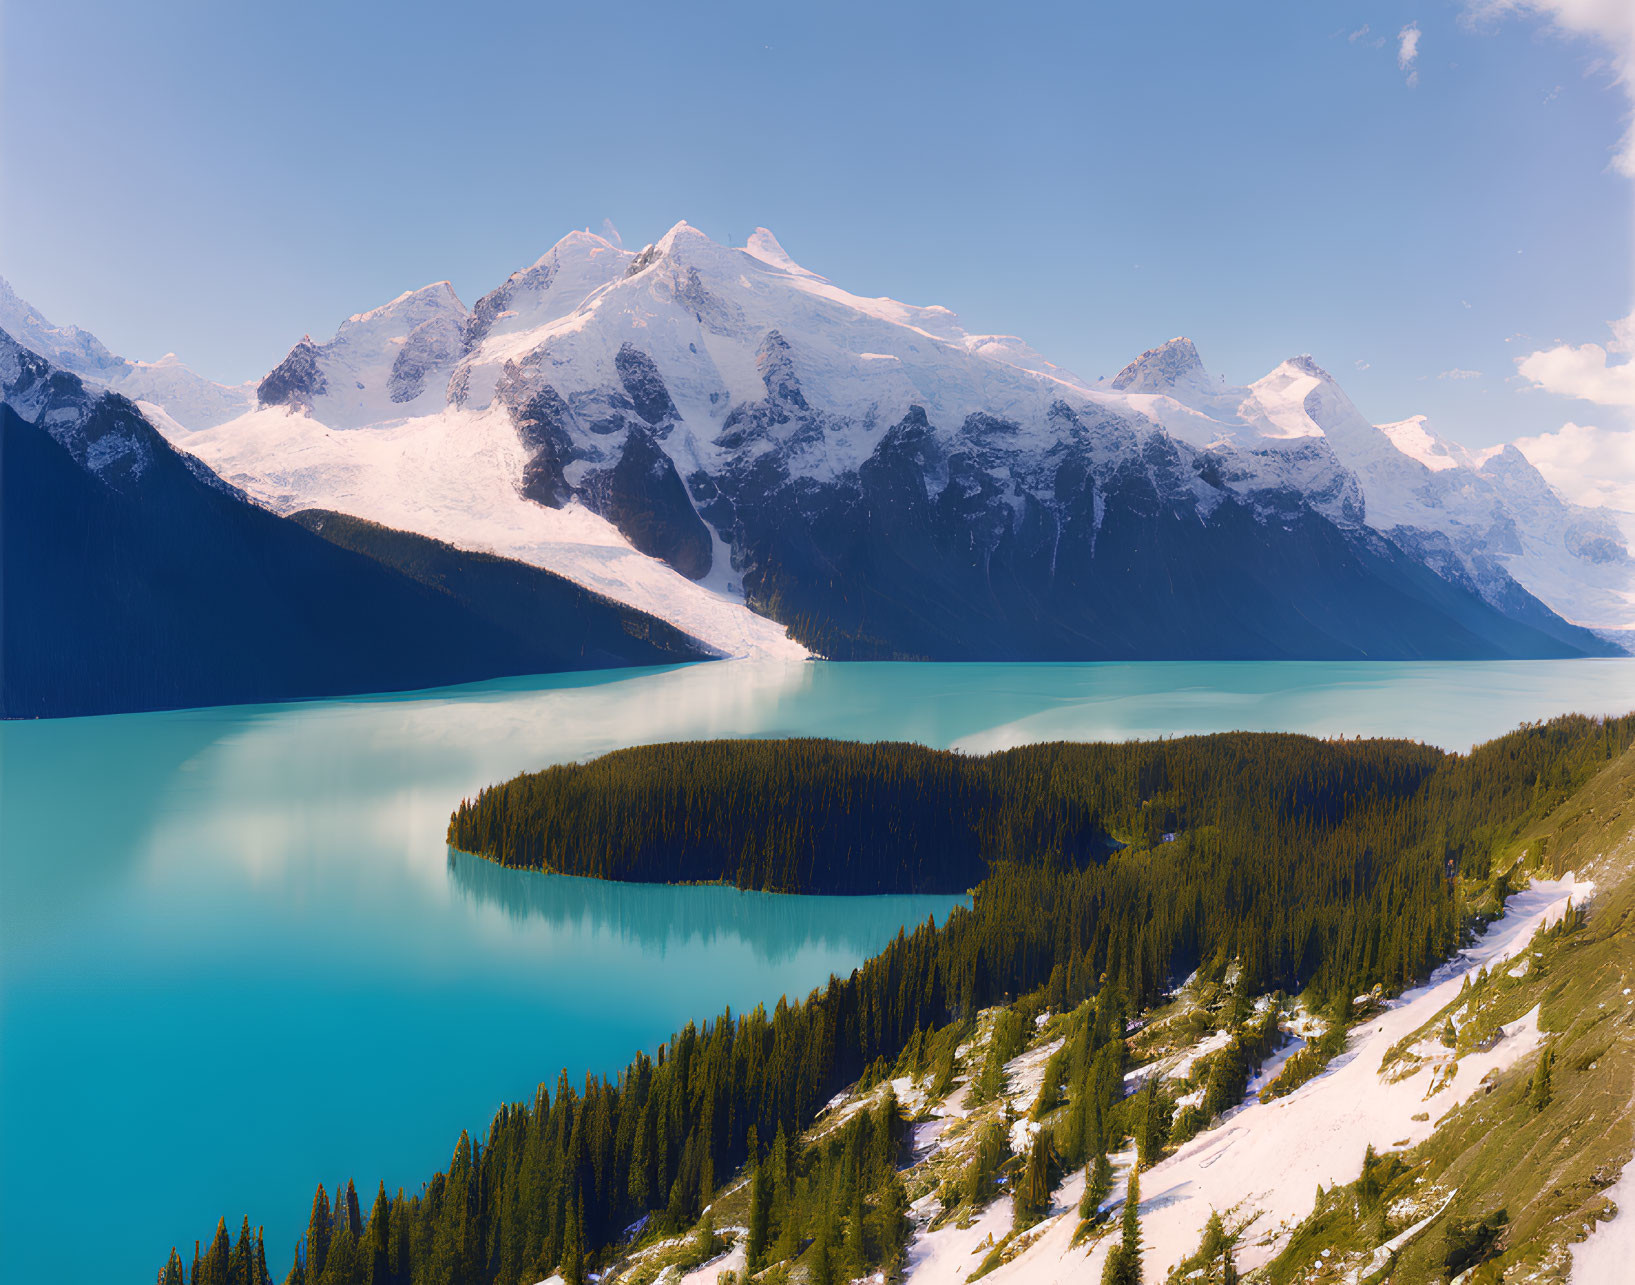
1101, 872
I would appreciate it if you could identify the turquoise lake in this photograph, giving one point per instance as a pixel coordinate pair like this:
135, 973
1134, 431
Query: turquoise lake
237, 958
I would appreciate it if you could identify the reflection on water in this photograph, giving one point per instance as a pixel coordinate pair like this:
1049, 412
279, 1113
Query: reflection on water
245, 922
656, 918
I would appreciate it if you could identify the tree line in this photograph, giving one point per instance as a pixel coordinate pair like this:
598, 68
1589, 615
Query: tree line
1324, 866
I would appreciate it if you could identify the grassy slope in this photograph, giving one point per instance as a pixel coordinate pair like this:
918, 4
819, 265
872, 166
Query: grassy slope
1547, 1170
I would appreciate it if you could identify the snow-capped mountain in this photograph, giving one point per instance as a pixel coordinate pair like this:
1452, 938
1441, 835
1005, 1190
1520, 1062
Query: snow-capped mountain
191, 400
1488, 517
699, 429
135, 578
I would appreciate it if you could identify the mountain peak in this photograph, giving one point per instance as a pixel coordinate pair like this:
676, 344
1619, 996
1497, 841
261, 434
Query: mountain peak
764, 246
1305, 365
1160, 369
580, 243
437, 297
682, 236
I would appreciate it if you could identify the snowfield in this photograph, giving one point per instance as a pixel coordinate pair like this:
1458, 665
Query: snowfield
450, 476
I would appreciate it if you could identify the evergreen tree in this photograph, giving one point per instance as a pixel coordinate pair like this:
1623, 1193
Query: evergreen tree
318, 1230
1124, 1259
216, 1269
241, 1261
820, 1269
375, 1255
1032, 1194
573, 1254
760, 1219
893, 1223
172, 1273
1153, 1128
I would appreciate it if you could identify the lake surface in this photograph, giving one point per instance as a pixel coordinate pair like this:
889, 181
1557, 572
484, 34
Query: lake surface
237, 959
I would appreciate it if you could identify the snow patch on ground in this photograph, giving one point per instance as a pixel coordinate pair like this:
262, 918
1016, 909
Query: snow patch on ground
1270, 1157
1609, 1252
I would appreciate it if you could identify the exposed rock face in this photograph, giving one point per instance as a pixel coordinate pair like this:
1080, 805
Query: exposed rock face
1159, 369
622, 473
296, 380
644, 386
644, 497
430, 348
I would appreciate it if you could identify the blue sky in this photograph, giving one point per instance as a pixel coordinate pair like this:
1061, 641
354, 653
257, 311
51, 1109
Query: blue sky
219, 179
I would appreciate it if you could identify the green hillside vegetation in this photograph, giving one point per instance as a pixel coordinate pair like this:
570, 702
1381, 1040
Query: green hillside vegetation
1520, 1169
1324, 866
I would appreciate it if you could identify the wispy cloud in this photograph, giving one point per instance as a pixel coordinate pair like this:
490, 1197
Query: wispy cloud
1609, 22
1586, 371
1363, 35
1588, 465
1457, 373
1408, 52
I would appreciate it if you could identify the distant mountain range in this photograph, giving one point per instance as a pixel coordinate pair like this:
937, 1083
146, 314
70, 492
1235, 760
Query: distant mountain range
725, 440
135, 578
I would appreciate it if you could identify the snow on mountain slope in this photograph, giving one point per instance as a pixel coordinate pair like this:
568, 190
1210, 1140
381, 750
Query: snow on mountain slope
452, 475
738, 420
387, 363
1494, 507
1498, 516
188, 398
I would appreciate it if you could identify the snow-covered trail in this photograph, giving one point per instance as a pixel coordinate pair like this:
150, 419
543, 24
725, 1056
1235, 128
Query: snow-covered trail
1271, 1156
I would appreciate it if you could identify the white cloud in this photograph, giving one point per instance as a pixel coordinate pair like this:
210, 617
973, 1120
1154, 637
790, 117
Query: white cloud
1363, 365
1456, 373
1584, 371
1611, 22
1588, 465
1408, 52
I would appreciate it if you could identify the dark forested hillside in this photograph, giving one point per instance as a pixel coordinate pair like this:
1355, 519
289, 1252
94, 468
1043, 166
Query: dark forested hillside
133, 578
1330, 866
843, 817
515, 600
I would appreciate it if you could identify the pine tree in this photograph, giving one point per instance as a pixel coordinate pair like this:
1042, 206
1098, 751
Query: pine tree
1124, 1260
1032, 1195
573, 1254
1150, 1137
820, 1258
217, 1259
318, 1230
857, 1249
173, 1275
893, 1224
760, 1219
374, 1257
241, 1261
